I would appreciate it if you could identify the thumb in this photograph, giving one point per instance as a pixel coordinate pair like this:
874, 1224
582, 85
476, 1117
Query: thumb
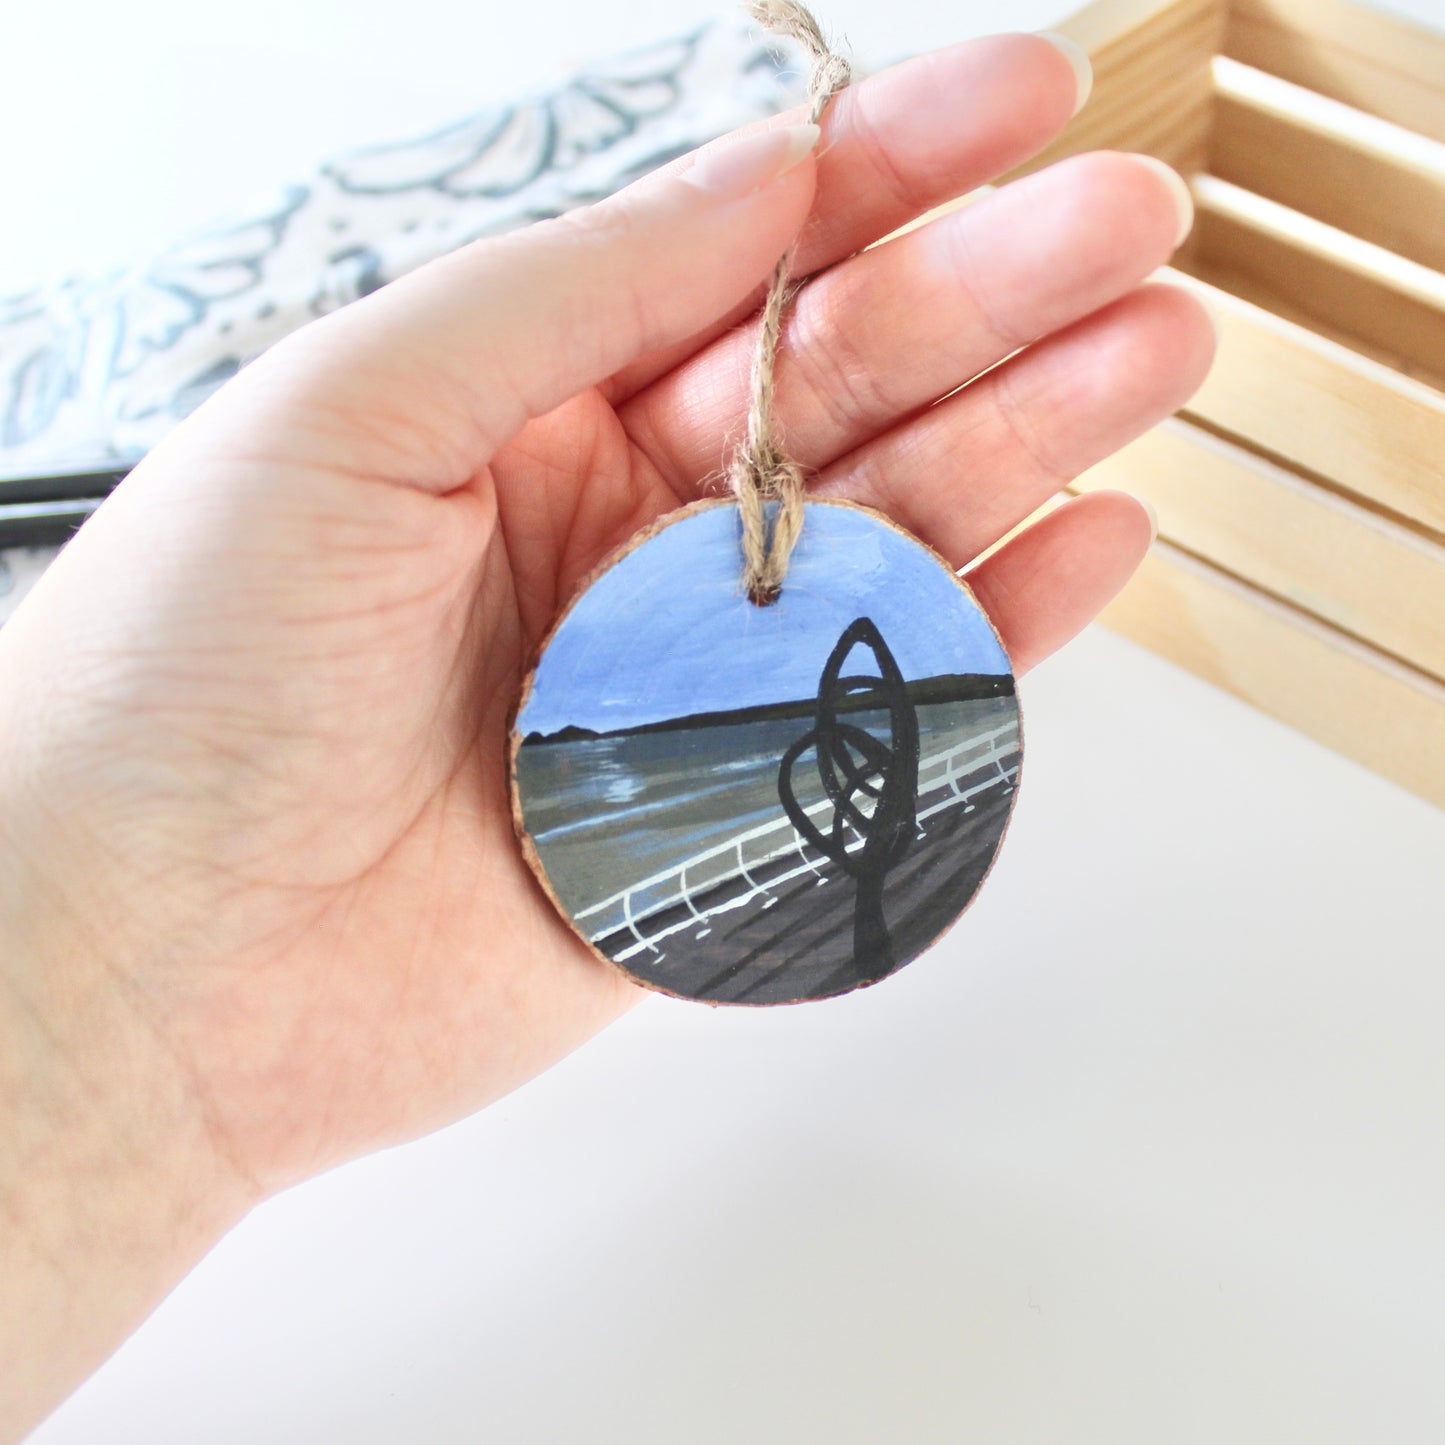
463, 352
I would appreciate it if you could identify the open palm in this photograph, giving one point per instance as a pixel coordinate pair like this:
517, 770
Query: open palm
255, 717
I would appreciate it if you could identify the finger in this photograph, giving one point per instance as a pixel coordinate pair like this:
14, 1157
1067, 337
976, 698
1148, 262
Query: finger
1047, 584
966, 472
432, 374
909, 138
932, 128
901, 325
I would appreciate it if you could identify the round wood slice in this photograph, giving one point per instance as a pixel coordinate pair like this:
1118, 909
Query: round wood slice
760, 805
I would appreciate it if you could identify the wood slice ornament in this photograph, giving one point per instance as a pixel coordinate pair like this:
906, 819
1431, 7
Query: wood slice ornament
766, 804
769, 750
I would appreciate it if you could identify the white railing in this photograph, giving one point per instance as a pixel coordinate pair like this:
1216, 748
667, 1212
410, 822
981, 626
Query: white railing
944, 774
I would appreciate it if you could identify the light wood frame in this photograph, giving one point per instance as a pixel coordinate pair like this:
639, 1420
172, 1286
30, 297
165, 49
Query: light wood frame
1302, 491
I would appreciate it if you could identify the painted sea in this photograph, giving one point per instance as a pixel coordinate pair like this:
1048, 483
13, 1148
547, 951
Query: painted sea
670, 849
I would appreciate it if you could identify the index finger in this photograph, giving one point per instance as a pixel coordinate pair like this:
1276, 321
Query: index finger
904, 141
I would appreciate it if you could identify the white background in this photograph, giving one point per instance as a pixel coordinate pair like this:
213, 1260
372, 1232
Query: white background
1149, 1149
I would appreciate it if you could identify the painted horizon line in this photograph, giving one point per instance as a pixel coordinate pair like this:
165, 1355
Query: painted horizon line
944, 688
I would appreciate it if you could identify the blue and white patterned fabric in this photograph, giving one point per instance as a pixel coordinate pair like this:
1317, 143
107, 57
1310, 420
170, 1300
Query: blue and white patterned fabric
94, 371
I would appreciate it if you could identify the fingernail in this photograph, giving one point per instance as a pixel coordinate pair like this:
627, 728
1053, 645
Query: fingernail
1078, 57
1179, 188
1215, 315
737, 168
1152, 515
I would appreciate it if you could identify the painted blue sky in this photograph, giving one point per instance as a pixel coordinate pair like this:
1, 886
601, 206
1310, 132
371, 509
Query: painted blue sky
667, 631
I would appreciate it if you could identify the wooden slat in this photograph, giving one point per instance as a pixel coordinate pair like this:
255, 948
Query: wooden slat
1365, 575
1179, 39
1349, 52
1111, 22
1252, 289
1323, 408
1341, 424
1314, 404
1175, 128
1119, 34
1331, 688
1366, 176
1153, 87
1390, 307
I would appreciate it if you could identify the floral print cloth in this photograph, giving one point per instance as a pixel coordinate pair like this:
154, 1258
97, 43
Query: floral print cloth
95, 370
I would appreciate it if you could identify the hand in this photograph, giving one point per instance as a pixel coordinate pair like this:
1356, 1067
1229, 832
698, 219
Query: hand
262, 905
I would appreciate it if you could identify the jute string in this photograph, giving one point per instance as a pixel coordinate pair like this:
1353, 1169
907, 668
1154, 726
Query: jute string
761, 471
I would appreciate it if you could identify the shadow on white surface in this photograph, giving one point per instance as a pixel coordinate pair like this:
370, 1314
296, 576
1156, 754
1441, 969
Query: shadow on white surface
1146, 1150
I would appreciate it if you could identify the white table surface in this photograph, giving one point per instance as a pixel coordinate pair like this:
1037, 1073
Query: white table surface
1151, 1148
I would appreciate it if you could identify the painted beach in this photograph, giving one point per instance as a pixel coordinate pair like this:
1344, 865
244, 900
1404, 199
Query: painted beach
762, 805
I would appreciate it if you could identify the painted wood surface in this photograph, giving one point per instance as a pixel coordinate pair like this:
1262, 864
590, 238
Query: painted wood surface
759, 805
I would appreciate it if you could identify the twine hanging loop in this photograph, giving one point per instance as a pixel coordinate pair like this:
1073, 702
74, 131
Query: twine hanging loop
761, 472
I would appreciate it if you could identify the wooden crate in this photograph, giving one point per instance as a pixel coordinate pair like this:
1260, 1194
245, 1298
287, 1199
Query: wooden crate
1301, 494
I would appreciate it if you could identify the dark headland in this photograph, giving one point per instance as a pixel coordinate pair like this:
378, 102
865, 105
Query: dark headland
949, 687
